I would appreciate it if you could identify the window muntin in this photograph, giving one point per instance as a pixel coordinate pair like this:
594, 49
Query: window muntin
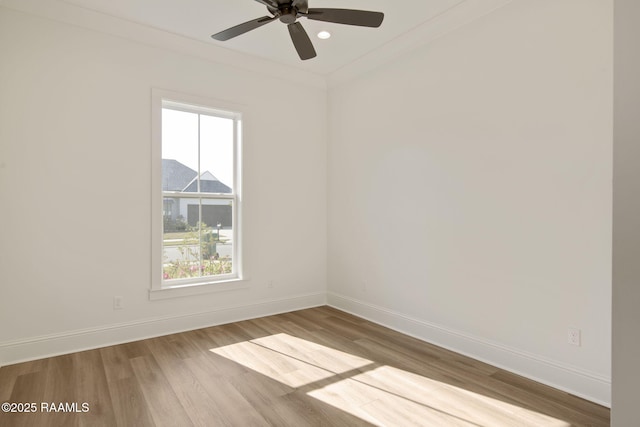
199, 159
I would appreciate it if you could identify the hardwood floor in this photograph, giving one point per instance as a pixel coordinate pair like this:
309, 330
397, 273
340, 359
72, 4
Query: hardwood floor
311, 367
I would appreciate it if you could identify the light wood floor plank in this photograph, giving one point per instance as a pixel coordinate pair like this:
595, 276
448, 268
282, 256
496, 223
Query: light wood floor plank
223, 394
162, 401
193, 397
91, 387
129, 405
314, 367
27, 388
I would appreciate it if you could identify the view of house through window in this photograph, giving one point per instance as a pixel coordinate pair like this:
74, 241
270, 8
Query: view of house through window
199, 199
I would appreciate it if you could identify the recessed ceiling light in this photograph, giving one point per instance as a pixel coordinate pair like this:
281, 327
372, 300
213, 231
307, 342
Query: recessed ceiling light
324, 35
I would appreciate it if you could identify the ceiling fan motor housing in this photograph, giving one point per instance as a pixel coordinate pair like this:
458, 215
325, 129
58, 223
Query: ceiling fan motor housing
287, 14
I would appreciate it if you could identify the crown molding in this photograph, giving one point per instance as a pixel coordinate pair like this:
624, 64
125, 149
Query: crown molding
456, 17
448, 21
68, 13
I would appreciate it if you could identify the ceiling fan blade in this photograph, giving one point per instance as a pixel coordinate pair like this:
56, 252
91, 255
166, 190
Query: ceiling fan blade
269, 3
301, 41
361, 18
232, 32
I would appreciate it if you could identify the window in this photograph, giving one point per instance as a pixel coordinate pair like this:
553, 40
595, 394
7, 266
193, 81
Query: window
195, 193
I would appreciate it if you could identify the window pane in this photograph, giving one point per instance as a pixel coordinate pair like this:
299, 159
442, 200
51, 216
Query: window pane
217, 236
216, 154
179, 150
200, 244
180, 243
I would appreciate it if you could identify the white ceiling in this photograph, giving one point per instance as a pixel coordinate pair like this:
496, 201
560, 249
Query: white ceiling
198, 19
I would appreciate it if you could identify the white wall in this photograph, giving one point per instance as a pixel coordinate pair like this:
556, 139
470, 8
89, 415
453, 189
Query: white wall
492, 147
626, 216
469, 188
75, 135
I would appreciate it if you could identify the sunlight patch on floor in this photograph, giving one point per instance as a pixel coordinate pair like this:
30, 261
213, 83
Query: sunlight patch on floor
379, 394
391, 394
290, 360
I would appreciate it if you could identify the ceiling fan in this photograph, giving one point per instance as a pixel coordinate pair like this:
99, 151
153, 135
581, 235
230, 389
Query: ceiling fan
288, 12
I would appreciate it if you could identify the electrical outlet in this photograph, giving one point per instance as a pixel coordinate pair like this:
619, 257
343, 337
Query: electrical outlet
270, 284
573, 336
117, 303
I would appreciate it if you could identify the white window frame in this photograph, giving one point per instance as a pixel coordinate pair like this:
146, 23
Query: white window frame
192, 286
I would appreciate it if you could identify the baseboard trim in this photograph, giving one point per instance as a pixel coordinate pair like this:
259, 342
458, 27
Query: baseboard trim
39, 347
581, 383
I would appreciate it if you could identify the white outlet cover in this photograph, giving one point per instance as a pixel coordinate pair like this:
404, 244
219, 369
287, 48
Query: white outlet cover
573, 336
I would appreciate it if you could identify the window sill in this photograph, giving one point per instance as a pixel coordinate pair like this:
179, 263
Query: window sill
198, 289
